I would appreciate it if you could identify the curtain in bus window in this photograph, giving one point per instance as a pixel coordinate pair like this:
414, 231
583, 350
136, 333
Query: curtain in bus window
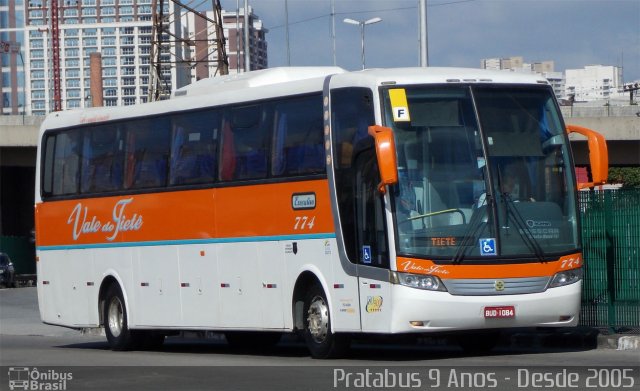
147, 154
250, 140
193, 148
278, 163
228, 166
102, 160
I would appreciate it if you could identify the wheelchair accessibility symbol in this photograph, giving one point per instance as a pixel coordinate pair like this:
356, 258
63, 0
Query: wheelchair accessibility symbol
366, 254
488, 246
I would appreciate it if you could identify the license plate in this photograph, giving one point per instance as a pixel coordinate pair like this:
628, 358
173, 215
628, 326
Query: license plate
500, 312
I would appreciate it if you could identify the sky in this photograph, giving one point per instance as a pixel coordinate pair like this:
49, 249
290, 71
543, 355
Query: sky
572, 33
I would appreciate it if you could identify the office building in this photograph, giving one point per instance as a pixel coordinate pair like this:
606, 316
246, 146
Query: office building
593, 82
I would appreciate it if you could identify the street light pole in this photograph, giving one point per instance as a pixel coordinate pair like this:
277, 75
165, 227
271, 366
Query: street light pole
424, 43
247, 46
362, 24
24, 86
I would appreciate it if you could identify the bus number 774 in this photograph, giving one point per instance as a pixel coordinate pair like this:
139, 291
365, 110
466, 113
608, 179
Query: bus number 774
304, 222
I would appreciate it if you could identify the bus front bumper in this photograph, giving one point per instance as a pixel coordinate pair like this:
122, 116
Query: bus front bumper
416, 310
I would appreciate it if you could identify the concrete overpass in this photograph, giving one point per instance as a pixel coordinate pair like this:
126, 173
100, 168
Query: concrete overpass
622, 135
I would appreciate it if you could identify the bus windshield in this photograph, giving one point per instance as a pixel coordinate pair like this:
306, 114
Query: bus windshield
484, 172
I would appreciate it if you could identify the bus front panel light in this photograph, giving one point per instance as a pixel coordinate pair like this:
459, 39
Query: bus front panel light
419, 281
566, 277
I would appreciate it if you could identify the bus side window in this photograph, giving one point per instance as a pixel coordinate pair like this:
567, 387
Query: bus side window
47, 178
370, 216
298, 137
351, 115
249, 144
193, 148
147, 154
102, 160
66, 163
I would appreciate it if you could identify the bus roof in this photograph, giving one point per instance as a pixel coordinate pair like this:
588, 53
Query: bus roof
435, 75
246, 87
275, 82
264, 77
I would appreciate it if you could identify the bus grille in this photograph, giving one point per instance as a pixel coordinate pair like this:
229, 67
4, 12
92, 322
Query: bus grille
496, 286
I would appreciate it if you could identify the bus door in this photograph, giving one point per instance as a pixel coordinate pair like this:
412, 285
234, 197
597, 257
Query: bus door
372, 244
360, 204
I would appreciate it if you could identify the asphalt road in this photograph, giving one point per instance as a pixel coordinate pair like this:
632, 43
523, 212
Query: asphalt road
51, 357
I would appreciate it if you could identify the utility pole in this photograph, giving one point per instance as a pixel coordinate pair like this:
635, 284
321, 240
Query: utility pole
424, 43
55, 56
631, 88
167, 39
247, 46
286, 28
333, 30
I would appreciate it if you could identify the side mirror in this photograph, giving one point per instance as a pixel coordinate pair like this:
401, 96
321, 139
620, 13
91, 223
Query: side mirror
598, 155
386, 154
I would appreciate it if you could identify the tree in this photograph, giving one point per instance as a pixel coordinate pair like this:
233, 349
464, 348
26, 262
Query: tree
629, 177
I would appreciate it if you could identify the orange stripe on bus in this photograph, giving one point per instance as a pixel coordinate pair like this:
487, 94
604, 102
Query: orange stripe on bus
228, 212
502, 270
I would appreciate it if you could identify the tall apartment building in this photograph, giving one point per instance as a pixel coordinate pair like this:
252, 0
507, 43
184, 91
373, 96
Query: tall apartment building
202, 31
12, 42
121, 31
593, 82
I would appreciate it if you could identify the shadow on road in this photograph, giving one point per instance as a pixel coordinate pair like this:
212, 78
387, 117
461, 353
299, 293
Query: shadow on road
360, 350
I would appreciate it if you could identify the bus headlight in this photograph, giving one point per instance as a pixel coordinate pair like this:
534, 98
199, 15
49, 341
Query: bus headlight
566, 277
419, 281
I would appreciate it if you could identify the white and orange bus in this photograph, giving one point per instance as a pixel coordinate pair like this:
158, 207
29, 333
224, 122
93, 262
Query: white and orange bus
313, 200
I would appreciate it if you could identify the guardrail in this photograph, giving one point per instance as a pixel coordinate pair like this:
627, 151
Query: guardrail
600, 111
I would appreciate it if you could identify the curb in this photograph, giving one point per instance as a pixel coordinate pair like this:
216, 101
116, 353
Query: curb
582, 337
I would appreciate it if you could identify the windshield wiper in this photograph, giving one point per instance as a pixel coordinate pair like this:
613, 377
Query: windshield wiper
522, 228
472, 233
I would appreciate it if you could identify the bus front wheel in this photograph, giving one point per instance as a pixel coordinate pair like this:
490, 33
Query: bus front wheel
321, 341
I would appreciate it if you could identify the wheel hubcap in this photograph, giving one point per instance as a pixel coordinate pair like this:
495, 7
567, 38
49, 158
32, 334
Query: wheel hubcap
115, 317
318, 319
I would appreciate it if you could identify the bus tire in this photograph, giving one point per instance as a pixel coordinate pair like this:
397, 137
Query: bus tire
321, 341
116, 325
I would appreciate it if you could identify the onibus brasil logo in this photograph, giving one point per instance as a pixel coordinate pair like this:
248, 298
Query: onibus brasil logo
24, 378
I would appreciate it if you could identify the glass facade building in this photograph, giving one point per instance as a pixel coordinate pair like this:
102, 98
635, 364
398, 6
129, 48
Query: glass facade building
120, 30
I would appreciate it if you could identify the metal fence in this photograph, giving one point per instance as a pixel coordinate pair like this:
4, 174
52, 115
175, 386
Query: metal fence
611, 239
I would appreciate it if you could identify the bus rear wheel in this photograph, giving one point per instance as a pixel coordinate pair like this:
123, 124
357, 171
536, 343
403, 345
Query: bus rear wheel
321, 341
116, 325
